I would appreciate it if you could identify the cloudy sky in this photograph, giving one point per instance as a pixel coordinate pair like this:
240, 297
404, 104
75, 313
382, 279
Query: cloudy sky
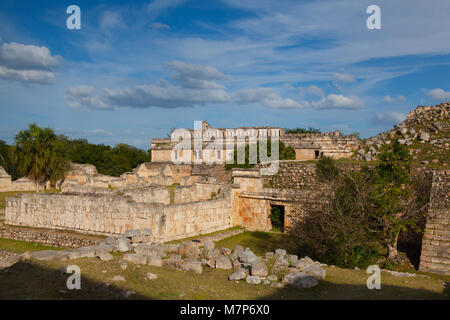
136, 69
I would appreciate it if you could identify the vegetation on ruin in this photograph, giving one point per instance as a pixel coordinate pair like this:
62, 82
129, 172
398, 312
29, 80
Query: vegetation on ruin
285, 153
42, 155
367, 212
302, 130
45, 282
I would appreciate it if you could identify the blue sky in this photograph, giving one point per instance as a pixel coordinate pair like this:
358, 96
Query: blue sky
136, 69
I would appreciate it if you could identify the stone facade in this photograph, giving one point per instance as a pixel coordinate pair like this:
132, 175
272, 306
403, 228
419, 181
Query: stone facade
306, 146
435, 256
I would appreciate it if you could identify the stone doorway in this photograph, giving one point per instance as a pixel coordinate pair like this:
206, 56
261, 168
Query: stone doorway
277, 217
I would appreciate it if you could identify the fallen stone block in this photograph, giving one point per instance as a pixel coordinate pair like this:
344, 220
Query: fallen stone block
103, 255
259, 268
247, 256
223, 262
300, 280
253, 279
135, 258
10, 261
315, 270
238, 275
123, 244
193, 265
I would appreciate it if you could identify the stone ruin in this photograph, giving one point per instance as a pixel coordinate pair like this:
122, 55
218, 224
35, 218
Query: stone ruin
21, 184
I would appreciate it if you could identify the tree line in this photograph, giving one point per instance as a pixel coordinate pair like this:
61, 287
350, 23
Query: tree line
42, 155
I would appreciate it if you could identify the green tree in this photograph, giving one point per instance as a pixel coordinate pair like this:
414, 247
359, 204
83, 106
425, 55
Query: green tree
40, 155
393, 191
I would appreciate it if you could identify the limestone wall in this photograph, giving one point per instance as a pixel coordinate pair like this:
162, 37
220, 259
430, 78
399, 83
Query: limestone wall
435, 256
197, 192
111, 214
148, 194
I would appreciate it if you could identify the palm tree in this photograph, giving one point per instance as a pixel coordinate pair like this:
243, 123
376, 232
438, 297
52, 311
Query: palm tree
40, 154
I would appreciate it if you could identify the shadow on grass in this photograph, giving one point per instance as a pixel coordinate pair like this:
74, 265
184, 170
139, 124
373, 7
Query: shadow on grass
27, 280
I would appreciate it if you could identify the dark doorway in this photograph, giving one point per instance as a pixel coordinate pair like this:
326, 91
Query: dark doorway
316, 154
277, 217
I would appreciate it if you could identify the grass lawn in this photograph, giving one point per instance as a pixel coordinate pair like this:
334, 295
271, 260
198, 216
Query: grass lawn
40, 280
22, 246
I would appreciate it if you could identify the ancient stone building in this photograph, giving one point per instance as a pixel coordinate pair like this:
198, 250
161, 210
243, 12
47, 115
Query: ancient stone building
306, 146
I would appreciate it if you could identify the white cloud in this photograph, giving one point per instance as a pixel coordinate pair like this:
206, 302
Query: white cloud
312, 90
195, 76
158, 26
388, 118
164, 95
82, 96
32, 76
269, 98
156, 7
27, 63
111, 20
338, 101
343, 77
439, 94
27, 57
389, 99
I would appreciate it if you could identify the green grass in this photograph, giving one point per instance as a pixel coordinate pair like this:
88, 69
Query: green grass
259, 242
205, 235
172, 192
23, 246
40, 280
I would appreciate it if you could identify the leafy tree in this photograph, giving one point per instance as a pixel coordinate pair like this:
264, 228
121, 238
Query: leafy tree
393, 190
303, 130
40, 155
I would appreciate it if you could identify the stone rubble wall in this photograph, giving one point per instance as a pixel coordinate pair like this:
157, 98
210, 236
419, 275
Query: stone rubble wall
22, 184
114, 214
435, 255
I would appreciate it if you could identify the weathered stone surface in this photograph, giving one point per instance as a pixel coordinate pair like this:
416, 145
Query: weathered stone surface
280, 254
253, 279
46, 255
137, 233
208, 245
154, 261
10, 261
303, 263
173, 263
292, 259
269, 255
225, 251
189, 250
155, 251
238, 275
103, 255
315, 270
152, 276
223, 262
259, 268
193, 265
247, 256
424, 136
123, 244
111, 241
300, 280
135, 258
